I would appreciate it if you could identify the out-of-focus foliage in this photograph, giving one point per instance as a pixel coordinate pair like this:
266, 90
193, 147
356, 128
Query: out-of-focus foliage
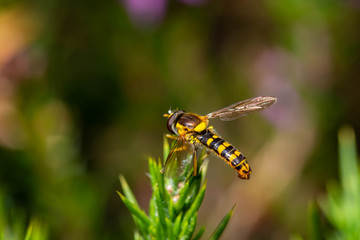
341, 205
13, 224
84, 84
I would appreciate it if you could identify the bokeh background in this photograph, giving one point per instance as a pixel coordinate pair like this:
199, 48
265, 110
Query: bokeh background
84, 84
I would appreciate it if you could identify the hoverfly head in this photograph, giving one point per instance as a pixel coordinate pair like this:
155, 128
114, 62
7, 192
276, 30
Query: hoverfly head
172, 119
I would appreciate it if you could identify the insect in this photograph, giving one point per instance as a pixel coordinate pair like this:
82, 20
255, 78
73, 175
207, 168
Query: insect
192, 131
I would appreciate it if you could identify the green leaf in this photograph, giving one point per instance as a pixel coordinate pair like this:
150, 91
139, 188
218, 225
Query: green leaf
139, 214
203, 169
348, 161
127, 191
172, 211
144, 230
195, 184
314, 222
35, 231
29, 231
188, 228
341, 206
222, 225
152, 208
192, 210
166, 147
152, 230
161, 182
157, 178
199, 234
152, 171
196, 204
159, 208
137, 236
177, 225
169, 229
160, 231
183, 195
192, 225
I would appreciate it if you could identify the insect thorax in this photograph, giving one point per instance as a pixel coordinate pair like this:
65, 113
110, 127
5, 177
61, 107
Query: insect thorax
186, 123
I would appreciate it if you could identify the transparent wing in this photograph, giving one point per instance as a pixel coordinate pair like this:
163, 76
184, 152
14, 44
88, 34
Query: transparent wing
242, 108
180, 160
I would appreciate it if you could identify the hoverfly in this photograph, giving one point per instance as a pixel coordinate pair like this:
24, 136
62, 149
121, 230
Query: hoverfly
193, 131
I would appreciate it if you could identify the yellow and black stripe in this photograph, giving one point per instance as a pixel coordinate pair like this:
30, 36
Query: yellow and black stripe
226, 151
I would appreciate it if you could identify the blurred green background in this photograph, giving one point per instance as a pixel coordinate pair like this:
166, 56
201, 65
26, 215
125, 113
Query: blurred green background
84, 84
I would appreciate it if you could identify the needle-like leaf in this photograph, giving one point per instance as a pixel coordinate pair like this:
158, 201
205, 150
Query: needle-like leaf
127, 191
199, 234
135, 210
222, 225
173, 209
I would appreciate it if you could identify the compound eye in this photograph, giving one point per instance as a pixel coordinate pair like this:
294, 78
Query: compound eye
172, 121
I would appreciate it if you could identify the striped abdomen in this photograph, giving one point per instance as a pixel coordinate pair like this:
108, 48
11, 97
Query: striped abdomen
226, 151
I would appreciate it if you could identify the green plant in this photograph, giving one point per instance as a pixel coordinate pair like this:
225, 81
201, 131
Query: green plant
341, 206
174, 205
13, 225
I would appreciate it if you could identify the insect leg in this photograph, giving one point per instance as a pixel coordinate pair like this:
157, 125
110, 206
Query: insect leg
172, 137
205, 155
